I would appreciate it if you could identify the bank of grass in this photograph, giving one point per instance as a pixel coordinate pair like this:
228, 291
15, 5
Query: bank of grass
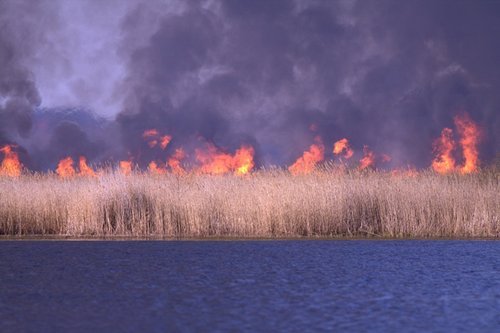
329, 203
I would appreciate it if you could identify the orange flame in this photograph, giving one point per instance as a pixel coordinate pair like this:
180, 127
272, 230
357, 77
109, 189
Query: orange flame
443, 147
153, 138
342, 146
212, 161
11, 166
307, 162
174, 162
164, 141
154, 168
150, 136
216, 162
243, 160
368, 160
126, 167
85, 170
65, 168
469, 138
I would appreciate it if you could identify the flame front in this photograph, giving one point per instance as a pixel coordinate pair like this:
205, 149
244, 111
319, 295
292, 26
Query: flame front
469, 138
157, 169
85, 170
443, 147
174, 162
243, 160
342, 147
212, 161
368, 160
308, 161
126, 167
216, 162
65, 168
11, 166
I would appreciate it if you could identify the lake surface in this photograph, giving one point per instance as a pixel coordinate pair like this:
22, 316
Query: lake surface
155, 286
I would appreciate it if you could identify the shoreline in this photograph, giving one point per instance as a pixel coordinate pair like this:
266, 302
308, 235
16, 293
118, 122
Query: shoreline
7, 238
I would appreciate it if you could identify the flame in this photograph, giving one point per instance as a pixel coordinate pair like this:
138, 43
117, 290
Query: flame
342, 146
307, 162
443, 147
243, 160
212, 161
11, 166
65, 168
174, 162
164, 141
368, 160
85, 170
150, 136
126, 167
153, 138
154, 168
469, 138
216, 162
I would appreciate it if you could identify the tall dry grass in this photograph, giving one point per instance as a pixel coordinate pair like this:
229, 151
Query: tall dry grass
331, 202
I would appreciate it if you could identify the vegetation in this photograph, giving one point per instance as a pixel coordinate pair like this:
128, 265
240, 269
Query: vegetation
332, 202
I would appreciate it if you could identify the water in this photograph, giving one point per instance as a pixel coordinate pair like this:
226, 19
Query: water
249, 285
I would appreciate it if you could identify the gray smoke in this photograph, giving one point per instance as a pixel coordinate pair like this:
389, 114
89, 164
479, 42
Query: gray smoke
18, 91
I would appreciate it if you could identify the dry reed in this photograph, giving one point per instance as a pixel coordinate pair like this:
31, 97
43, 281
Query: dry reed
328, 203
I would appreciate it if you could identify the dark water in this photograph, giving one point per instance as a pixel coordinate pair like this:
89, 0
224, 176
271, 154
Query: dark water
254, 286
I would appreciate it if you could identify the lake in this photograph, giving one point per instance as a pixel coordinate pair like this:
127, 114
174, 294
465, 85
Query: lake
168, 286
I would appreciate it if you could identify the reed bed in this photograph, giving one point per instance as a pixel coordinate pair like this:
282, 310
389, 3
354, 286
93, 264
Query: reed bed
267, 204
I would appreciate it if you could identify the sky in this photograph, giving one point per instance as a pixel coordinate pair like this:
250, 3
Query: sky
89, 77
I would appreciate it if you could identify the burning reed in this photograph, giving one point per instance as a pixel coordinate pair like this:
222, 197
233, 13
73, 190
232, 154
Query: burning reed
330, 202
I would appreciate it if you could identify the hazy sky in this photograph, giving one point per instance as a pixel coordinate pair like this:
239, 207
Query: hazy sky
387, 73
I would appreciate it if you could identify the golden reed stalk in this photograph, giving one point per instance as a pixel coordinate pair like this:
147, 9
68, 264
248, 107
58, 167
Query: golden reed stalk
331, 202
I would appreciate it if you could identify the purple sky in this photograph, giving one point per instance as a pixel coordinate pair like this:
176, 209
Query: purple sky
87, 77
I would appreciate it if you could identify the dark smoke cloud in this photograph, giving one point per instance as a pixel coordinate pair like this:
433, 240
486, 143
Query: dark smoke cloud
389, 74
18, 91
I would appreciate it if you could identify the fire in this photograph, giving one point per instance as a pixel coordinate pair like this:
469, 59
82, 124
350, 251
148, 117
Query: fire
368, 160
469, 138
11, 166
216, 162
164, 141
154, 168
174, 162
307, 162
65, 168
85, 170
126, 167
153, 138
342, 146
443, 147
243, 160
150, 136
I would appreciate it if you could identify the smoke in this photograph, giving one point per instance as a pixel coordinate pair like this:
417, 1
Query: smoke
18, 91
273, 74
